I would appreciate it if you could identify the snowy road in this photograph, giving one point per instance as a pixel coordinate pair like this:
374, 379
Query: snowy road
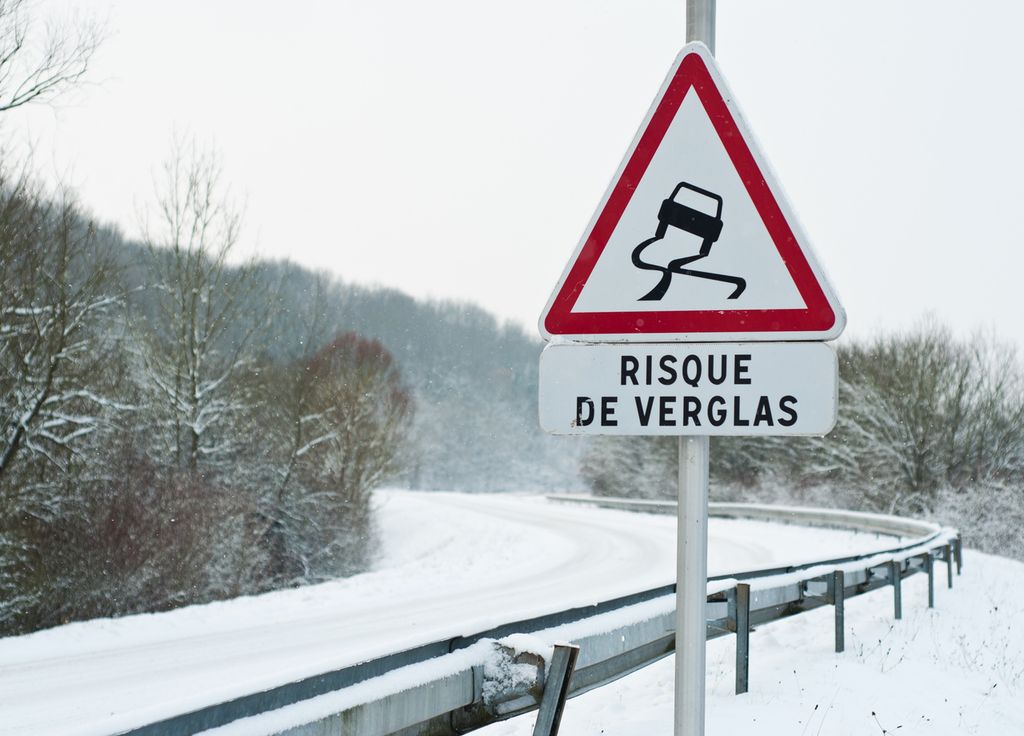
451, 565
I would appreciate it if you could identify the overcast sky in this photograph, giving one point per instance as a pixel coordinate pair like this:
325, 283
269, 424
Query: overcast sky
457, 148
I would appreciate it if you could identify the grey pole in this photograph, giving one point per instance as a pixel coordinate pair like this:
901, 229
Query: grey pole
691, 585
700, 22
692, 531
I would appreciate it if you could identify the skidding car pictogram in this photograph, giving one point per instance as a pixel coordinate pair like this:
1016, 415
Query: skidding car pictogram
703, 225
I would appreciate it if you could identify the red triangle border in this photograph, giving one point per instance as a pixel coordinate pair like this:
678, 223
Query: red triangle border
818, 316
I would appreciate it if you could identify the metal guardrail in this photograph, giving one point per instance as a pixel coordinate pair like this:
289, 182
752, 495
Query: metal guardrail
830, 518
458, 685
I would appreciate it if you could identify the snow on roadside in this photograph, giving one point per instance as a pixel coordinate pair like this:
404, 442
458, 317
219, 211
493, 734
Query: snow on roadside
956, 669
452, 564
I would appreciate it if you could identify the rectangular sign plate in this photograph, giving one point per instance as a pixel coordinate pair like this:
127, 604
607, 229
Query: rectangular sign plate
689, 389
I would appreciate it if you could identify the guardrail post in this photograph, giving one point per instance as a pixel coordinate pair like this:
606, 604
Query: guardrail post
837, 592
742, 620
896, 579
556, 689
929, 563
959, 553
948, 554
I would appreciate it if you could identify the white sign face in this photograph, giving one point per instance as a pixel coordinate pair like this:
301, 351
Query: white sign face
689, 389
691, 155
694, 240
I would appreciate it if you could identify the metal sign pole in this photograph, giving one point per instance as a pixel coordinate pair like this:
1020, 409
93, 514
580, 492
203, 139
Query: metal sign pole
692, 531
691, 585
700, 22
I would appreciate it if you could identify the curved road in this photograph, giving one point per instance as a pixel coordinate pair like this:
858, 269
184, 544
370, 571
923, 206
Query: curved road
451, 564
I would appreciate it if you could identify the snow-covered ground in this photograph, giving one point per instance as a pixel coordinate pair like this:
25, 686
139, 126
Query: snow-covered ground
954, 670
451, 565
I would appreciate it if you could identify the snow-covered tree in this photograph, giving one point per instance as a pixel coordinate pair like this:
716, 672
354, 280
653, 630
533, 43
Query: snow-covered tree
635, 467
55, 300
335, 426
918, 412
195, 343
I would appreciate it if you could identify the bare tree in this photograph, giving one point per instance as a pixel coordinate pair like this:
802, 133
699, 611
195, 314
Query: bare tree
52, 279
196, 343
924, 419
364, 413
54, 294
282, 414
919, 412
37, 64
345, 436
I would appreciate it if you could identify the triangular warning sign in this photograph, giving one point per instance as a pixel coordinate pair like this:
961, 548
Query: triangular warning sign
694, 239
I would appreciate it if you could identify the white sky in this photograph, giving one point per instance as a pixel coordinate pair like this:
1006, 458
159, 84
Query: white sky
457, 148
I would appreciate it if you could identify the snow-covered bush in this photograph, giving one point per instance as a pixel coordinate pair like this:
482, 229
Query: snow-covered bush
990, 515
143, 542
637, 467
918, 412
332, 428
927, 425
